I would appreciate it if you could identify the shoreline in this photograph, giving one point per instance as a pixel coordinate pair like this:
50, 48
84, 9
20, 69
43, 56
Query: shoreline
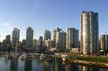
87, 60
96, 61
89, 63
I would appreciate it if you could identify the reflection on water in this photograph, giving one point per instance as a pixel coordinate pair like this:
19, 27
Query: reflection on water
14, 64
46, 66
28, 64
60, 66
43, 65
85, 68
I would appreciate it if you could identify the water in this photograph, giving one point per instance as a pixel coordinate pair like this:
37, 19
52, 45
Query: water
43, 65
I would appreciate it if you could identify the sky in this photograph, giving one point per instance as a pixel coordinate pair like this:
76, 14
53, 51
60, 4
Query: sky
48, 14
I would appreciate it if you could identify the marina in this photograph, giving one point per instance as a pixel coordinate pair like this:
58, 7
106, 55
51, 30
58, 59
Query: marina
41, 62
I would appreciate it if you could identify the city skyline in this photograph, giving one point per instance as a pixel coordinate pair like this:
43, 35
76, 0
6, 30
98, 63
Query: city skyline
41, 15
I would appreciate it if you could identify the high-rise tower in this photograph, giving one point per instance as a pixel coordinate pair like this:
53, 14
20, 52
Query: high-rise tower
29, 38
72, 38
47, 35
104, 42
89, 40
15, 37
60, 41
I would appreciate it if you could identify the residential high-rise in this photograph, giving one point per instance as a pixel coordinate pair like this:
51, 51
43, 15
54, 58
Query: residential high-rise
47, 35
48, 43
54, 35
60, 41
29, 38
40, 44
8, 38
72, 38
8, 42
104, 42
15, 37
89, 40
35, 43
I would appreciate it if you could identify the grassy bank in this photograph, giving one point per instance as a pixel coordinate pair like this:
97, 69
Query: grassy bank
90, 59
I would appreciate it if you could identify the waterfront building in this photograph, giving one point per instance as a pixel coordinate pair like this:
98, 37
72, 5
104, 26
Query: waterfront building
8, 42
29, 38
104, 42
15, 37
60, 41
47, 35
54, 35
40, 44
34, 43
8, 38
48, 43
89, 36
72, 38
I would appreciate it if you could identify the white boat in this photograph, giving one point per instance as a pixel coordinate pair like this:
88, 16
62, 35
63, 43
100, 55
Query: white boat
64, 57
23, 56
42, 56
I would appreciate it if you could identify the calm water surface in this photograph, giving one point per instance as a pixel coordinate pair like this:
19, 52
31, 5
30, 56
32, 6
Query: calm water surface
42, 65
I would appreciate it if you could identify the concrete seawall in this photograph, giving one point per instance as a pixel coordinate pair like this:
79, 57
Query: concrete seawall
82, 62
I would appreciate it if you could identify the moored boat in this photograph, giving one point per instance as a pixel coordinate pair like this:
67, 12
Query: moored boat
64, 57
